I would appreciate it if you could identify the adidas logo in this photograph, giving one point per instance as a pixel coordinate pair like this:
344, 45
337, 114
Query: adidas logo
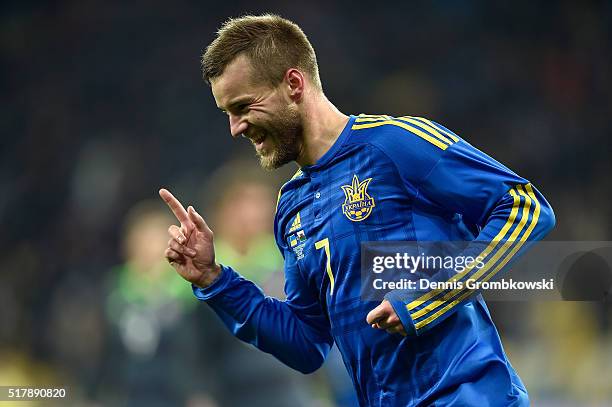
297, 223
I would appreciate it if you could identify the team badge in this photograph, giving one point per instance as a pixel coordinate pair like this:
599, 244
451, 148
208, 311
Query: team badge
358, 204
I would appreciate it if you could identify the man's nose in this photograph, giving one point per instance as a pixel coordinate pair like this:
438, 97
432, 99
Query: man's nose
238, 125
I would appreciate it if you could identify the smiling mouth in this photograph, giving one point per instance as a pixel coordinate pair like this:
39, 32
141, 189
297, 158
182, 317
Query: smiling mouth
258, 140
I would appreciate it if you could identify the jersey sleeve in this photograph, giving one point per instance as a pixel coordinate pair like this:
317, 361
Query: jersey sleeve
295, 331
507, 209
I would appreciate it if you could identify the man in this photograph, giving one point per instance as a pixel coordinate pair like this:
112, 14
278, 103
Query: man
365, 178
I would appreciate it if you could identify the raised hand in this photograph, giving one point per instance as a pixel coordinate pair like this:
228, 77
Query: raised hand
384, 317
190, 249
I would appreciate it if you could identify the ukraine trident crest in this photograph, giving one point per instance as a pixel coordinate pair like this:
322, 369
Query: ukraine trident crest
358, 204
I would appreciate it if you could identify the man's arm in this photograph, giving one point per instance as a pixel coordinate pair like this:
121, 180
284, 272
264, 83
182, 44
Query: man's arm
295, 331
508, 210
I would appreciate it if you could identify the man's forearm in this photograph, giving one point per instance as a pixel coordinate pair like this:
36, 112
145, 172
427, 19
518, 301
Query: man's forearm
274, 326
522, 215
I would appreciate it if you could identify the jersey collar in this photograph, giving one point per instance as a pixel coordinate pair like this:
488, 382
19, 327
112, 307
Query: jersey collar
329, 154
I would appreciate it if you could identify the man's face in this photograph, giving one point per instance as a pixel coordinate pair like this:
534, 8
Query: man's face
262, 113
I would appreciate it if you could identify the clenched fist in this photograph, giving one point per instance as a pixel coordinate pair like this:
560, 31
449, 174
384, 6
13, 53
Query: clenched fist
190, 249
384, 317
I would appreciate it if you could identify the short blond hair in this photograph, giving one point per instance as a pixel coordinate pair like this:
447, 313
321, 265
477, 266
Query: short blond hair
273, 45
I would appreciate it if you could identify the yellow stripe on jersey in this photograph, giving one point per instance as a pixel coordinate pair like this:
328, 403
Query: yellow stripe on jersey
363, 115
371, 118
449, 134
534, 221
403, 125
297, 223
426, 127
297, 174
500, 235
465, 292
444, 135
280, 191
489, 263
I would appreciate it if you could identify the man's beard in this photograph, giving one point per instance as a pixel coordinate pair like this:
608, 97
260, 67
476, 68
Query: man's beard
285, 137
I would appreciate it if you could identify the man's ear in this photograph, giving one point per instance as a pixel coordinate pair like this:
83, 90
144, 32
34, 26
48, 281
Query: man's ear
295, 82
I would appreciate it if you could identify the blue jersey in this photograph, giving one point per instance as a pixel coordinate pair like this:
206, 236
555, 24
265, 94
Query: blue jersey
391, 179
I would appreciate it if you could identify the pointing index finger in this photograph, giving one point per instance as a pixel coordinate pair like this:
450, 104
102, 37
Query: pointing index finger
176, 207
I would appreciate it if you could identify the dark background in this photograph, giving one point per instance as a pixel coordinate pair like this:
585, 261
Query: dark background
102, 103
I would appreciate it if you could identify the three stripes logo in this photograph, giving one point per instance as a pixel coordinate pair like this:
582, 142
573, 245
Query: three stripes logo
297, 223
297, 237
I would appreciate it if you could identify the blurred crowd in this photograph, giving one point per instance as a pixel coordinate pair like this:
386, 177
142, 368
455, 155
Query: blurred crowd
102, 104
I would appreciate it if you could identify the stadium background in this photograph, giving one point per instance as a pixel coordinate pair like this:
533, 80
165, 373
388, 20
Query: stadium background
103, 103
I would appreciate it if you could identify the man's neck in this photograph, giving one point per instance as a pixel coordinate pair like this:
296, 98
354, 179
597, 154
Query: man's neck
323, 123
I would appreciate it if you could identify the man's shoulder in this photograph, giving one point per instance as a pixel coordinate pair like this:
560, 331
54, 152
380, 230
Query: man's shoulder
413, 144
415, 134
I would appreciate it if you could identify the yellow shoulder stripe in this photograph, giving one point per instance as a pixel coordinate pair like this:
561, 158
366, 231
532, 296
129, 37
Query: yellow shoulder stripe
420, 126
426, 127
449, 134
371, 118
436, 142
431, 126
